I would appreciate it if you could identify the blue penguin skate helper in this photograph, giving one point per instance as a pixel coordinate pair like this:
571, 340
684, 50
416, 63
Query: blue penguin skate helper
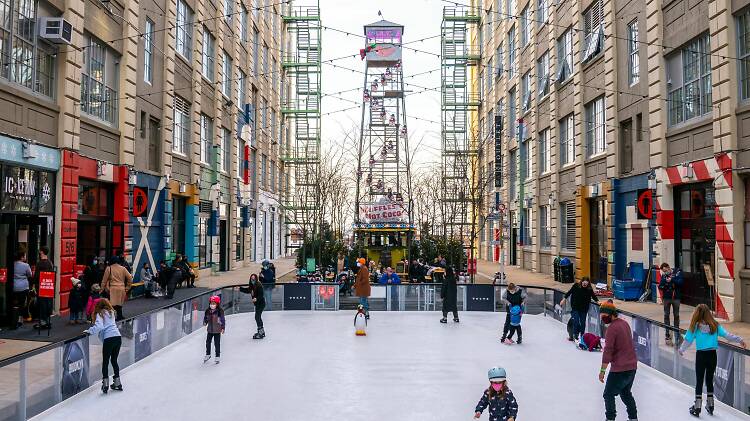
360, 321
502, 403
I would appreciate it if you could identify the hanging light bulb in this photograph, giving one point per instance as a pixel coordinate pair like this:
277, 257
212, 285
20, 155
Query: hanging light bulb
359, 174
382, 79
403, 131
372, 159
380, 185
382, 114
383, 152
388, 73
392, 120
369, 179
366, 96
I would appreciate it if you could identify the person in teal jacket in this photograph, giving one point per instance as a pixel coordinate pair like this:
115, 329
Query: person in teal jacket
704, 330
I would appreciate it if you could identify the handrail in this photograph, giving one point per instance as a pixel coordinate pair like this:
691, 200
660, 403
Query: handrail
45, 348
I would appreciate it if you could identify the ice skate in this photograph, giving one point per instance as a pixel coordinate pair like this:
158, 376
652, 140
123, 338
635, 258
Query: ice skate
260, 334
206, 358
105, 385
508, 341
695, 412
443, 320
116, 384
217, 360
455, 320
519, 340
668, 341
710, 404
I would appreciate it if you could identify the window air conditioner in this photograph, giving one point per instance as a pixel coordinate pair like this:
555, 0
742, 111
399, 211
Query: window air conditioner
56, 30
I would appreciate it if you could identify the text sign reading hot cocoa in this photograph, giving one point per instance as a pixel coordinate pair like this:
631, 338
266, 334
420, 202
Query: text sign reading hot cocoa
383, 212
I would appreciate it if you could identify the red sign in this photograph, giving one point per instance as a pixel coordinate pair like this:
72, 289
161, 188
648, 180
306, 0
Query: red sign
645, 204
78, 273
46, 284
3, 275
140, 201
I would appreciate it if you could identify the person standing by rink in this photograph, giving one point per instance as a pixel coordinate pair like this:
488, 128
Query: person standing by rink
449, 293
362, 286
705, 331
512, 296
106, 328
502, 403
256, 291
670, 286
582, 294
620, 354
215, 324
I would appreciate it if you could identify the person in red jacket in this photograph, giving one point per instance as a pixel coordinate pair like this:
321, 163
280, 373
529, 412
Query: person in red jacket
619, 354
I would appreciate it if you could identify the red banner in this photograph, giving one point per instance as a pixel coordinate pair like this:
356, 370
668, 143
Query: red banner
46, 284
78, 273
3, 275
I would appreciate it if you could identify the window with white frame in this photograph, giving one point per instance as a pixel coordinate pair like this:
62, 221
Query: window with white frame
568, 225
489, 72
255, 7
226, 82
633, 59
499, 60
512, 120
224, 143
272, 185
566, 140
208, 61
265, 60
512, 172
241, 92
511, 9
264, 115
148, 52
593, 30
274, 76
99, 81
565, 56
525, 26
263, 170
184, 29
488, 27
542, 12
273, 126
545, 227
256, 47
243, 24
525, 159
526, 223
228, 10
743, 51
595, 127
689, 81
545, 152
526, 91
181, 130
542, 72
512, 52
207, 135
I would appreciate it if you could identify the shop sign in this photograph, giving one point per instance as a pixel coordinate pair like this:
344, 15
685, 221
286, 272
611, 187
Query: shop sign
384, 210
645, 204
27, 190
46, 284
140, 201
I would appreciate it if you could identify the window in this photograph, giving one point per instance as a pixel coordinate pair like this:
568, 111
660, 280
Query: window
243, 24
207, 135
181, 131
272, 185
689, 81
512, 52
526, 225
204, 255
526, 91
263, 170
265, 60
254, 6
595, 129
511, 9
743, 47
626, 146
544, 151
488, 27
224, 148
499, 60
567, 142
148, 52
633, 59
513, 163
240, 233
542, 72
489, 73
542, 12
228, 10
184, 35
239, 149
25, 58
273, 134
226, 82
525, 159
568, 228
747, 222
274, 75
241, 92
256, 57
208, 61
565, 55
545, 227
525, 26
593, 30
512, 120
264, 115
99, 81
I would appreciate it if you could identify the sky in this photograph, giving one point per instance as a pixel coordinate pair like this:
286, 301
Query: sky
421, 19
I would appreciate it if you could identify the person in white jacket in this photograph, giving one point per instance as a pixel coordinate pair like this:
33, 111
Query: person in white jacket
106, 329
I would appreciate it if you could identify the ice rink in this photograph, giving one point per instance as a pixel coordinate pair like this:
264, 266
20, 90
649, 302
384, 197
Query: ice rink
311, 366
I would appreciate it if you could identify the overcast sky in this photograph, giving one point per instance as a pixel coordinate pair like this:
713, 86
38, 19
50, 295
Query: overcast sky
421, 19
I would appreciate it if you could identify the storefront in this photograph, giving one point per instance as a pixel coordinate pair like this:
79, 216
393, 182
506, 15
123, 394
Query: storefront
27, 208
598, 239
181, 216
151, 235
634, 215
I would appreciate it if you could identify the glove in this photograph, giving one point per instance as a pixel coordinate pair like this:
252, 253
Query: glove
87, 332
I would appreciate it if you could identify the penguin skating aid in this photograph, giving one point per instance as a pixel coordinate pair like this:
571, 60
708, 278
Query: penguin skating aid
360, 322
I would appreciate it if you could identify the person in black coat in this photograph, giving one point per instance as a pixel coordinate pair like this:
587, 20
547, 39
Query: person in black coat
580, 294
268, 279
255, 289
448, 293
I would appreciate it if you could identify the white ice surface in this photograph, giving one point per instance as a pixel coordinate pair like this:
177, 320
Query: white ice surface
311, 366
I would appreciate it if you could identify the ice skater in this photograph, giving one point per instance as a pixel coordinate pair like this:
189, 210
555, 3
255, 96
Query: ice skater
582, 294
448, 293
620, 353
513, 296
257, 292
362, 287
215, 324
705, 331
516, 312
502, 403
105, 327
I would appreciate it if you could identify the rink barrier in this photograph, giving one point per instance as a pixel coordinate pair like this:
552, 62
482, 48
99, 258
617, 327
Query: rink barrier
35, 381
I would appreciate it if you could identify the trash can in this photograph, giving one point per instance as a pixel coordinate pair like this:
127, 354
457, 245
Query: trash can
556, 268
566, 271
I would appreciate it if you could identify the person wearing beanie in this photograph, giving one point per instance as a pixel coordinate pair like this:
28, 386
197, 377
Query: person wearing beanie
619, 355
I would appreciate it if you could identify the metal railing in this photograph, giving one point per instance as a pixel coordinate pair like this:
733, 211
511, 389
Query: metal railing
38, 379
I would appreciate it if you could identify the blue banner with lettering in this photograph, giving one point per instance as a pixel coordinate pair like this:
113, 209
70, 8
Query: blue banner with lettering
142, 337
642, 340
724, 376
297, 297
480, 298
75, 367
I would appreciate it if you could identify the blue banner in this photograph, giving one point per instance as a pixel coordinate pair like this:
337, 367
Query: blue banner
75, 367
297, 297
187, 317
593, 324
642, 340
142, 337
480, 298
724, 376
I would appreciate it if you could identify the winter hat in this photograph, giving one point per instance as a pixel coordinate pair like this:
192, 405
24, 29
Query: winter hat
96, 288
361, 261
496, 374
608, 307
75, 281
215, 299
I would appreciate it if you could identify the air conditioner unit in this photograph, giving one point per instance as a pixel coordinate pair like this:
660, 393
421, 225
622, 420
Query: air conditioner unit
56, 30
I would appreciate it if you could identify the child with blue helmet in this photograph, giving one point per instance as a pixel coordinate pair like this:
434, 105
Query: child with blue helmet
515, 325
498, 397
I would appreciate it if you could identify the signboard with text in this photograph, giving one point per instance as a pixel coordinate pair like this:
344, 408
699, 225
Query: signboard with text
384, 210
46, 284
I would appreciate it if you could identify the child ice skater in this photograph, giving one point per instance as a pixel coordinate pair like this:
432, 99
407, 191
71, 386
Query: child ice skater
502, 403
106, 328
705, 331
590, 342
515, 325
215, 325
